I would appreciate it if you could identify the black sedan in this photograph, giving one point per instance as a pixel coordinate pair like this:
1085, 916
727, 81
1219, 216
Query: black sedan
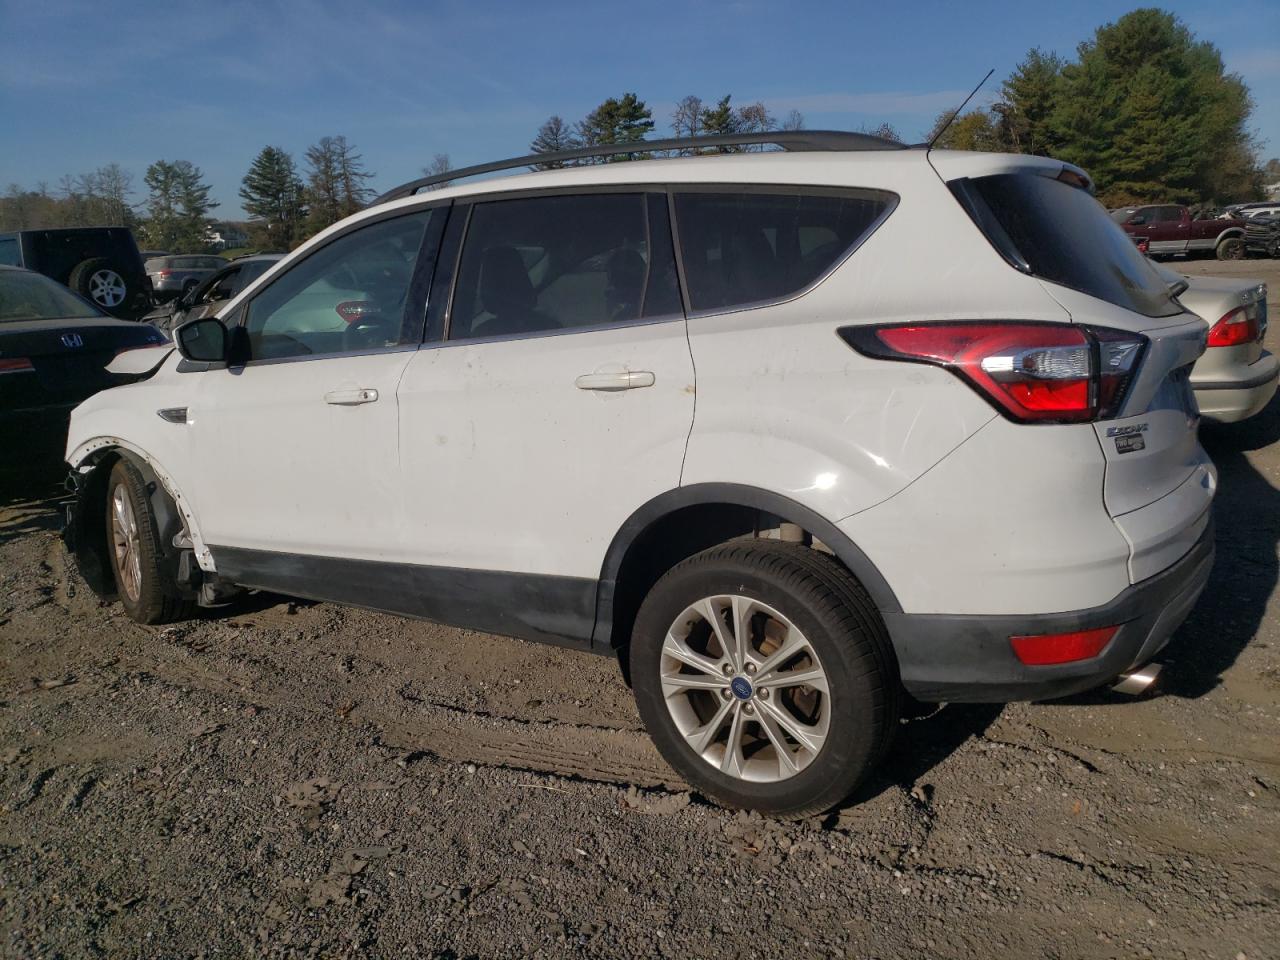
54, 349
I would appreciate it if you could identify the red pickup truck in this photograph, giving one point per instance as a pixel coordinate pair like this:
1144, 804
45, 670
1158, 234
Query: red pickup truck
1168, 229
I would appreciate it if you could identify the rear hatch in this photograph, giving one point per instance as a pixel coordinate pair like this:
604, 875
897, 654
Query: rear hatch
61, 362
1158, 482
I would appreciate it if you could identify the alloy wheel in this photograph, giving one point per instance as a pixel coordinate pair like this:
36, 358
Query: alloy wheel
126, 542
107, 288
745, 688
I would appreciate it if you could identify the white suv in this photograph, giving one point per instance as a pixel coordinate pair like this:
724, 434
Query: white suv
787, 432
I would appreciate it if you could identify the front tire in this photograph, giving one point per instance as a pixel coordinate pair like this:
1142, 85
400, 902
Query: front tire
144, 577
765, 677
1231, 248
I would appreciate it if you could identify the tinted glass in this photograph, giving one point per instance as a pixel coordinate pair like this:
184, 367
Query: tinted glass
29, 296
9, 253
551, 263
740, 248
1060, 233
349, 295
222, 287
1167, 214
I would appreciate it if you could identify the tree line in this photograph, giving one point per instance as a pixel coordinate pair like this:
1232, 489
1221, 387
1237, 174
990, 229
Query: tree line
1145, 107
285, 206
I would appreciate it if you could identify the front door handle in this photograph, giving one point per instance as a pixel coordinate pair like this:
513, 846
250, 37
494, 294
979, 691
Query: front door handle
351, 397
624, 380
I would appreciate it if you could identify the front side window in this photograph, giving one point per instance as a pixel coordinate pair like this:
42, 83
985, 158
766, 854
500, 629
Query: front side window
220, 288
538, 264
352, 294
745, 247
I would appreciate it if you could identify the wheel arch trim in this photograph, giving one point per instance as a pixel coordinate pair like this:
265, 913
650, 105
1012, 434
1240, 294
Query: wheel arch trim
737, 495
87, 455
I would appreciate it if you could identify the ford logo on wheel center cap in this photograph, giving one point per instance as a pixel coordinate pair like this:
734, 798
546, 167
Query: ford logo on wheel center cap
741, 688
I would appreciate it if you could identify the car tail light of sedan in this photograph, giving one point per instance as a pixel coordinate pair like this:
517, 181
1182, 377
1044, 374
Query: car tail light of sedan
1031, 372
15, 365
1241, 325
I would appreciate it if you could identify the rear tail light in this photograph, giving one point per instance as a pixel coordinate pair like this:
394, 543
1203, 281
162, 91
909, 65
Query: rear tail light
1031, 372
15, 365
1241, 325
164, 274
1062, 647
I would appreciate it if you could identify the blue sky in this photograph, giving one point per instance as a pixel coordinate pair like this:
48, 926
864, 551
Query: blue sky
84, 83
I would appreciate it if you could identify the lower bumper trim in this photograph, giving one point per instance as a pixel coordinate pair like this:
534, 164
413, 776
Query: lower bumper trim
966, 658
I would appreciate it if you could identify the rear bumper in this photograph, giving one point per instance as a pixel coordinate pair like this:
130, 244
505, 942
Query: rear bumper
965, 658
1236, 398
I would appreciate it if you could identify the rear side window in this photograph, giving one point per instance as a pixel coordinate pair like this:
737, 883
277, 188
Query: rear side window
9, 253
538, 264
1060, 233
740, 248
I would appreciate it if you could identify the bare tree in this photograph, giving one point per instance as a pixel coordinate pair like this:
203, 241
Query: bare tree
553, 136
794, 120
439, 164
686, 119
755, 118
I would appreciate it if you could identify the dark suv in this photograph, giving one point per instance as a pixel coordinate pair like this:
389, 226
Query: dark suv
99, 263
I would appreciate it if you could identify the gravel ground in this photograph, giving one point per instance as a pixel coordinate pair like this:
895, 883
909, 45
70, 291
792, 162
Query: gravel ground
302, 780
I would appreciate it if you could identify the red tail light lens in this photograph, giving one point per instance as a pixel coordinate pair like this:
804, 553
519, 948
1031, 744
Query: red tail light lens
1031, 372
15, 365
1062, 647
1241, 325
164, 274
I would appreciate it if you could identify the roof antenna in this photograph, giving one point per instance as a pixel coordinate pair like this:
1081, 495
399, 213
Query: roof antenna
955, 113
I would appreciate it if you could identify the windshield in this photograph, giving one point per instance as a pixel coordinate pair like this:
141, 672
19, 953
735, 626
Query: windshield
1060, 233
30, 296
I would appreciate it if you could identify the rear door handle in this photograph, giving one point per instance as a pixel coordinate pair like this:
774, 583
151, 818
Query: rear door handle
624, 380
351, 397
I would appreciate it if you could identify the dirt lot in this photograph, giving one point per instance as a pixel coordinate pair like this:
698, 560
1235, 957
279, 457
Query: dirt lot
294, 779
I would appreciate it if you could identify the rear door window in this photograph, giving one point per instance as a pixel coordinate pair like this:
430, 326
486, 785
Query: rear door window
742, 247
1060, 233
547, 263
9, 252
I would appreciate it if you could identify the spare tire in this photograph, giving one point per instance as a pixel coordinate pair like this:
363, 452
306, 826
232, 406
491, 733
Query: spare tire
107, 284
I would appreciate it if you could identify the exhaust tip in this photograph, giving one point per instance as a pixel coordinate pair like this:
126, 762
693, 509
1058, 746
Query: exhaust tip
1137, 682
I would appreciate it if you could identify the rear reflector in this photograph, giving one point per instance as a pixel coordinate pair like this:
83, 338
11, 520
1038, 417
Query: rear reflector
1031, 372
1062, 647
15, 365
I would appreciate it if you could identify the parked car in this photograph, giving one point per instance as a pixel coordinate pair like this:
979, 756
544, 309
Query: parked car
54, 349
1169, 229
1262, 235
172, 276
1235, 378
967, 469
101, 264
207, 297
1244, 211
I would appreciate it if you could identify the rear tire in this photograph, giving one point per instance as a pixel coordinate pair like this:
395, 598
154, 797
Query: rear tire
784, 745
144, 577
1231, 248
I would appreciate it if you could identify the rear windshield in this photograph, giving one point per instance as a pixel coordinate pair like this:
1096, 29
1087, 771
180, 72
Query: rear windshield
29, 296
1060, 233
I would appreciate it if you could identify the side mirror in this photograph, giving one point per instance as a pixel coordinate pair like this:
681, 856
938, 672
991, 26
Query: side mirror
202, 341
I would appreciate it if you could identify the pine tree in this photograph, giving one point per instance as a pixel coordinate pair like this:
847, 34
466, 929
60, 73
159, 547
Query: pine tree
553, 136
178, 206
617, 120
1152, 114
272, 195
1027, 100
336, 182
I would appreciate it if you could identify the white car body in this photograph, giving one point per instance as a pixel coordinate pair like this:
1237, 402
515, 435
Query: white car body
484, 460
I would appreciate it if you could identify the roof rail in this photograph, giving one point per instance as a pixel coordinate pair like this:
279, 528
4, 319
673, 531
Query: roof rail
786, 139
